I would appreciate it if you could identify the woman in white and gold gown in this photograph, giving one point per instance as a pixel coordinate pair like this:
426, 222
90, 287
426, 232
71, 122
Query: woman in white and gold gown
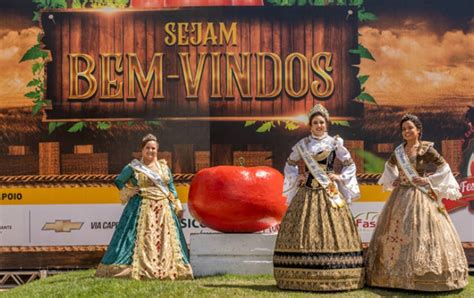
318, 247
148, 242
415, 245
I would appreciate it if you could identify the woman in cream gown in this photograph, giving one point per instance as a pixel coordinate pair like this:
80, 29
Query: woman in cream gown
415, 245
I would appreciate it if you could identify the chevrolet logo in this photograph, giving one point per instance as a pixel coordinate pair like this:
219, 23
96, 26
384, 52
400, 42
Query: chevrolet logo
62, 226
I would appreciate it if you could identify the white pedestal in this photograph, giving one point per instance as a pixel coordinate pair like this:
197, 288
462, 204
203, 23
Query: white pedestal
217, 253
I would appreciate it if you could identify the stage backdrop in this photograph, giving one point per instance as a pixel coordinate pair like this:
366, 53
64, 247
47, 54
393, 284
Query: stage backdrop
79, 88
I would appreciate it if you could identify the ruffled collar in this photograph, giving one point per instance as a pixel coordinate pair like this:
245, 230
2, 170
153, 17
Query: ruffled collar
325, 135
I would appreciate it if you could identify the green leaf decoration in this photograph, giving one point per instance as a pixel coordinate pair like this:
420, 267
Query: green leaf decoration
341, 123
372, 163
37, 66
33, 94
42, 3
76, 4
357, 3
153, 122
290, 125
266, 126
40, 101
121, 3
363, 52
34, 82
366, 97
53, 125
363, 79
103, 125
130, 123
317, 2
36, 16
301, 2
341, 2
34, 53
366, 16
58, 4
37, 107
249, 123
77, 127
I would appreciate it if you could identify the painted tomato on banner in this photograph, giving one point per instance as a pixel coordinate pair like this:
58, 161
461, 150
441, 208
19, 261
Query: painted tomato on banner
237, 199
197, 3
147, 3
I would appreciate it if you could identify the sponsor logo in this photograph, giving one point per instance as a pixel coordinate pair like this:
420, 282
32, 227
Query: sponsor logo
5, 228
366, 220
191, 223
98, 225
467, 187
11, 196
62, 225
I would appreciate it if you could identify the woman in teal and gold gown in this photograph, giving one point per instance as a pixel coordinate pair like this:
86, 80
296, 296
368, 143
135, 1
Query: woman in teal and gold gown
148, 242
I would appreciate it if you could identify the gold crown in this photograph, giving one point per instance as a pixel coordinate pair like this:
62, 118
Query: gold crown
318, 109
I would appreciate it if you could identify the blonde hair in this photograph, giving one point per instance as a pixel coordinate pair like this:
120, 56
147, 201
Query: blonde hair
148, 138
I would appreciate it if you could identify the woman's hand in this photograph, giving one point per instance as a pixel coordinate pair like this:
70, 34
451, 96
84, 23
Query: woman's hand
420, 181
396, 182
301, 179
334, 177
180, 214
133, 189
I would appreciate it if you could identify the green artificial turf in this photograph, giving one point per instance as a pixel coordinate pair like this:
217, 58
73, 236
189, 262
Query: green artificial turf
84, 284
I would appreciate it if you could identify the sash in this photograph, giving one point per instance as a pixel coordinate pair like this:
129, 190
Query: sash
411, 173
137, 165
328, 185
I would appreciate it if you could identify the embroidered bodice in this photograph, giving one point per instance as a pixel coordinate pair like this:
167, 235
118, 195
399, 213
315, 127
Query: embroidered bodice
324, 151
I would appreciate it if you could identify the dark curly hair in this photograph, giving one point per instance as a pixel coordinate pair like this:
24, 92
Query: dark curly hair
415, 120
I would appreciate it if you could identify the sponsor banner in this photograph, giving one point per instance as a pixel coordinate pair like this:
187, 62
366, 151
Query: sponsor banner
71, 224
69, 195
45, 220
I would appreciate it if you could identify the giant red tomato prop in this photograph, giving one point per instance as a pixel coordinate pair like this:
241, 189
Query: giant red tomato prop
237, 199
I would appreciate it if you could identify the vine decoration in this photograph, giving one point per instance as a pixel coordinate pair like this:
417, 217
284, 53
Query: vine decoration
364, 97
39, 57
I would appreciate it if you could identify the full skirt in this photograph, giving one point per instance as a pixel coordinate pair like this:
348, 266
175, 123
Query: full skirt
415, 246
318, 247
147, 244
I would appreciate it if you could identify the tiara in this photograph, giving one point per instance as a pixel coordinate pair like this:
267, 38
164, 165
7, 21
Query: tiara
318, 109
149, 137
